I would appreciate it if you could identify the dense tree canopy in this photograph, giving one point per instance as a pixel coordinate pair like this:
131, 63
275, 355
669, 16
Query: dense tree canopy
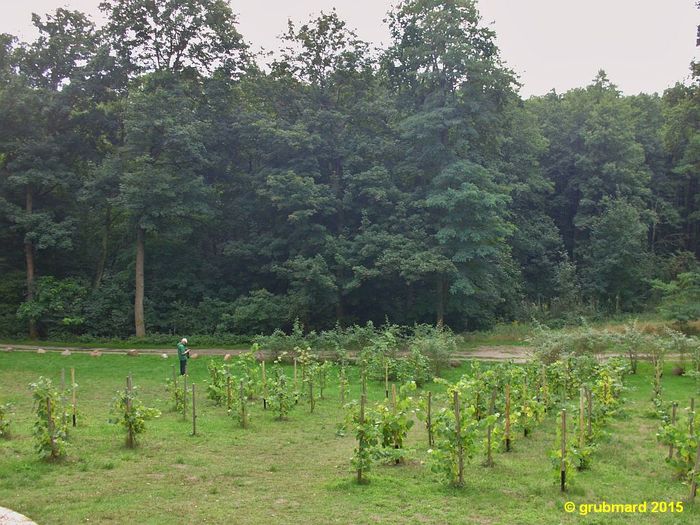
155, 177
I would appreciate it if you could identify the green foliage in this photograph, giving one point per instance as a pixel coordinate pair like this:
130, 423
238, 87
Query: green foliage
382, 351
196, 35
281, 398
681, 298
395, 419
322, 374
176, 393
445, 456
217, 384
365, 426
58, 303
6, 413
343, 384
414, 367
436, 344
50, 428
245, 368
243, 412
131, 414
615, 259
278, 342
684, 437
604, 383
342, 187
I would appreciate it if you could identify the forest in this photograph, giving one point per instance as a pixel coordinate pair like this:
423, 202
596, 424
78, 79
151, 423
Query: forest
159, 175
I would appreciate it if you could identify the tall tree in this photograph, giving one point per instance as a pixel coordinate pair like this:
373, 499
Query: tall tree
451, 86
175, 35
38, 132
160, 167
681, 136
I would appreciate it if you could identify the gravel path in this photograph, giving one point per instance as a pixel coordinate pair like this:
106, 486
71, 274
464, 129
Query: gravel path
515, 353
496, 353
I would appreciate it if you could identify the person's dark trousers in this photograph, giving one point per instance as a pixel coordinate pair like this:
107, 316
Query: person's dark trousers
183, 367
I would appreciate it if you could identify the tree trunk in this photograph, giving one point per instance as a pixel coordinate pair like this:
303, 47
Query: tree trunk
339, 310
440, 307
99, 272
138, 299
29, 257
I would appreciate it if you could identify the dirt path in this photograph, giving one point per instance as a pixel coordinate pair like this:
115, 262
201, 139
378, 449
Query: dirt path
496, 353
514, 353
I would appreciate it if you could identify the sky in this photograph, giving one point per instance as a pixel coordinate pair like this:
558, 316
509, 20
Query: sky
643, 45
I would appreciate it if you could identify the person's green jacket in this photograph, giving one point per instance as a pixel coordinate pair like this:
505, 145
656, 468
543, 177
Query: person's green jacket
181, 349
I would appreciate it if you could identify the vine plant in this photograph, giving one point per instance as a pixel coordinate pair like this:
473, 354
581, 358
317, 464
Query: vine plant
129, 412
50, 429
5, 415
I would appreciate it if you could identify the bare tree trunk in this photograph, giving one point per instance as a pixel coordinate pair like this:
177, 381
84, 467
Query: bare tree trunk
29, 257
440, 307
99, 272
339, 310
138, 299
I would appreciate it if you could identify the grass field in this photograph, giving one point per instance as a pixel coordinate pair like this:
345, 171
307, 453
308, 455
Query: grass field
298, 471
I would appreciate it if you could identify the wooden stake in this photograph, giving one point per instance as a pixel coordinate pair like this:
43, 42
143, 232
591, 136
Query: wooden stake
545, 399
242, 401
228, 392
508, 417
361, 441
691, 418
526, 402
295, 373
364, 383
184, 397
605, 393
72, 383
458, 435
386, 378
341, 381
581, 418
130, 435
393, 397
264, 385
312, 401
50, 427
489, 431
694, 476
63, 397
194, 414
673, 422
563, 450
589, 394
429, 422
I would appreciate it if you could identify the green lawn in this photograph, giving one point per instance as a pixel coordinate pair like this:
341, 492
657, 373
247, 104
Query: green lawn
298, 471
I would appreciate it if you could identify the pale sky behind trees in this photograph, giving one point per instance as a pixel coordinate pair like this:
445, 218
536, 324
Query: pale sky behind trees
643, 45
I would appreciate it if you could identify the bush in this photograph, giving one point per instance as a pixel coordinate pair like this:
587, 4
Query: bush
681, 299
436, 344
58, 305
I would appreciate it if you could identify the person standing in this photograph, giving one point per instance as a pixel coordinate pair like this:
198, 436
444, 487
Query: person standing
183, 354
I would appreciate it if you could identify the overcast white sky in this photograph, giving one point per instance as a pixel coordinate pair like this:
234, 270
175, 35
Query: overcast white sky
644, 45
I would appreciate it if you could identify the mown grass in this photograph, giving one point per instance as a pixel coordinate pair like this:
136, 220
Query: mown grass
298, 471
